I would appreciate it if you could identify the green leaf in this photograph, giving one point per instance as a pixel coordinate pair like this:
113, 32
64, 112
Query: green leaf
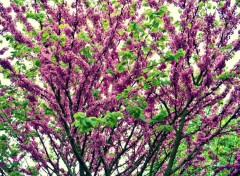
95, 93
121, 67
105, 24
134, 111
155, 82
142, 118
3, 137
195, 57
127, 54
93, 121
131, 26
62, 26
134, 27
13, 152
77, 68
86, 124
19, 2
48, 111
180, 53
30, 74
229, 46
36, 16
87, 53
165, 82
201, 4
36, 49
101, 120
79, 115
148, 25
160, 117
139, 28
121, 32
221, 4
64, 65
110, 71
167, 128
141, 79
37, 62
6, 74
226, 75
112, 117
126, 92
143, 104
76, 123
119, 96
146, 86
9, 38
25, 103
209, 5
54, 38
146, 49
155, 24
45, 34
170, 58
84, 36
161, 11
44, 40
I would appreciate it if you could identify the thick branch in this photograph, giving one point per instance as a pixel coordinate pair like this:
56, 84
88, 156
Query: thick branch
176, 145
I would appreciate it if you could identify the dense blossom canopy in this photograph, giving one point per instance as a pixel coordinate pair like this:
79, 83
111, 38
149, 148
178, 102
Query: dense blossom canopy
120, 87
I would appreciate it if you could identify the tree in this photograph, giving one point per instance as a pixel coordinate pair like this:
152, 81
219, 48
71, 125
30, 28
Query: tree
120, 87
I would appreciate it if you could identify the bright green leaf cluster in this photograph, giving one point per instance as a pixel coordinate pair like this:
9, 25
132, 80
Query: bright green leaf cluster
95, 93
135, 107
84, 36
105, 24
87, 53
9, 38
19, 2
226, 75
47, 110
19, 48
193, 125
176, 56
121, 67
37, 62
36, 16
127, 54
167, 128
160, 117
136, 112
83, 123
125, 93
36, 49
134, 27
110, 72
111, 118
86, 124
157, 78
160, 13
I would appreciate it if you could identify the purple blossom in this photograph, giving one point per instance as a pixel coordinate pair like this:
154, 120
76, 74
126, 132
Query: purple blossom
6, 64
31, 98
2, 51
